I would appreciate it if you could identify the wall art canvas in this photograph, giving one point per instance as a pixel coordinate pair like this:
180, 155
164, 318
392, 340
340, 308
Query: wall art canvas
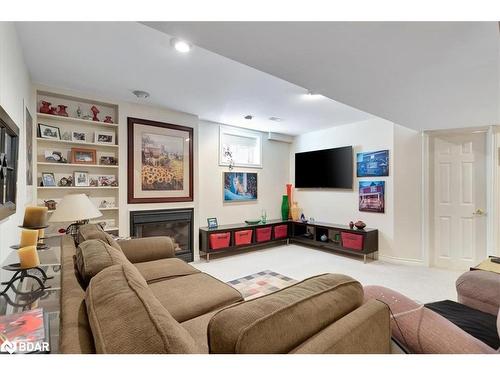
161, 156
372, 164
240, 186
372, 196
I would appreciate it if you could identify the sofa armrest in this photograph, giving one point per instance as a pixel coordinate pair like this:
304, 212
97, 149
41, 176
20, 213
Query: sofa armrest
366, 330
146, 249
480, 290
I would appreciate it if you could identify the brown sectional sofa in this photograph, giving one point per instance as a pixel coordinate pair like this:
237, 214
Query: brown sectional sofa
134, 297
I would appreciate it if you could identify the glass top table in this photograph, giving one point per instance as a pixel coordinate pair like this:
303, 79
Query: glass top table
27, 295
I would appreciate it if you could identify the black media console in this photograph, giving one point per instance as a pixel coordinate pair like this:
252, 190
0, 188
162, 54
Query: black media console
226, 238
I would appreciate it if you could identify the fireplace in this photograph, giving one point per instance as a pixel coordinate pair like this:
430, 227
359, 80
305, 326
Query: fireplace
175, 223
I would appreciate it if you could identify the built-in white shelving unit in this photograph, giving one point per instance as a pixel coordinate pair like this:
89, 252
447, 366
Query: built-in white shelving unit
104, 197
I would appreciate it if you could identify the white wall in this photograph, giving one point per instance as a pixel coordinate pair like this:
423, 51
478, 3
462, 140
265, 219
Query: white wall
407, 182
15, 90
272, 178
341, 206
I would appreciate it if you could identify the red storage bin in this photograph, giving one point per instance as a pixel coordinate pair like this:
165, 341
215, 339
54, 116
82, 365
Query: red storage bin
243, 237
263, 234
352, 241
219, 240
280, 231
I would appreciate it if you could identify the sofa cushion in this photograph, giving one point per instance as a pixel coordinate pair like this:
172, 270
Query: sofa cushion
280, 321
197, 328
157, 270
93, 256
95, 232
193, 295
126, 318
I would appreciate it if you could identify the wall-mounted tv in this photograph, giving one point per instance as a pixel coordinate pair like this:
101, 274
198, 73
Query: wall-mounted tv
331, 168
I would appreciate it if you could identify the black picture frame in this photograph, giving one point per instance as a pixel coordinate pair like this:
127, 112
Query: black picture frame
212, 222
43, 134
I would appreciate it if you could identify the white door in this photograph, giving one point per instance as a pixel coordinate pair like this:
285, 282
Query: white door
459, 200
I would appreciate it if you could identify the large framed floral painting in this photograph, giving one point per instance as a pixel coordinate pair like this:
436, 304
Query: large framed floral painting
160, 162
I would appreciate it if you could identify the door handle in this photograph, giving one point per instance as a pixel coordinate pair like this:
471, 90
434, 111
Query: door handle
479, 212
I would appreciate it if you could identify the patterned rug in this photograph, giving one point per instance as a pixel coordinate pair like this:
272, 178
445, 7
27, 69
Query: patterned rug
260, 284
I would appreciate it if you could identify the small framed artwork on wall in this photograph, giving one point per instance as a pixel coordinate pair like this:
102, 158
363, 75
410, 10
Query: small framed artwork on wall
372, 164
240, 186
372, 196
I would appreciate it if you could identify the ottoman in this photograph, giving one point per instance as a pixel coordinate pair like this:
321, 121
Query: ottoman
421, 330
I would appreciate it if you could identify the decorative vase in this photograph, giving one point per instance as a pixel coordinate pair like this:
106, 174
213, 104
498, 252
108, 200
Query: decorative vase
94, 111
284, 207
295, 211
289, 194
45, 108
359, 224
62, 110
108, 120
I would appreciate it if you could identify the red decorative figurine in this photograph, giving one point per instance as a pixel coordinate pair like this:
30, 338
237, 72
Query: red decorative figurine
62, 110
95, 111
108, 120
45, 108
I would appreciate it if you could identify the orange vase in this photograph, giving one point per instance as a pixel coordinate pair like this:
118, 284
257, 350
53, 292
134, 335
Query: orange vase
289, 193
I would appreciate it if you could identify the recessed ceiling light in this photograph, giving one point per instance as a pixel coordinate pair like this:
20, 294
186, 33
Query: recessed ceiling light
277, 119
141, 94
180, 45
248, 117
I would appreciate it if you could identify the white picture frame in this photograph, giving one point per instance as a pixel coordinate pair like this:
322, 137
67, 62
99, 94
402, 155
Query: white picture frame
104, 138
78, 136
81, 178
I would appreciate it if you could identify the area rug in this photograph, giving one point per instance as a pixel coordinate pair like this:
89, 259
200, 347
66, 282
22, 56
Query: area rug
261, 283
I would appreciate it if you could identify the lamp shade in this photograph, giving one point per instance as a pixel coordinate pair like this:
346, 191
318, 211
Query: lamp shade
74, 207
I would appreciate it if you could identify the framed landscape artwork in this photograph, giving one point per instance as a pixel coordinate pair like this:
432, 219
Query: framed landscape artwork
240, 186
372, 164
372, 196
160, 159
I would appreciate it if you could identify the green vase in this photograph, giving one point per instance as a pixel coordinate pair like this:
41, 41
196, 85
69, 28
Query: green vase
284, 207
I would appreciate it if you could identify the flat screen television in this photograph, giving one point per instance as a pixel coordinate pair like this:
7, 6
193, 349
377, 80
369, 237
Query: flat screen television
332, 168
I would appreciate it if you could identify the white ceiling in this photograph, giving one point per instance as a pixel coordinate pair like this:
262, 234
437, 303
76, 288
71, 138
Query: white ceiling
111, 59
423, 75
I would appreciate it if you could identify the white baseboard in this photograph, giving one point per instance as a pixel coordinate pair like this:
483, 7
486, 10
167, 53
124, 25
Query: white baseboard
405, 261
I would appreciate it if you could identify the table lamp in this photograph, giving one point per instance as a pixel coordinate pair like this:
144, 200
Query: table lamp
76, 208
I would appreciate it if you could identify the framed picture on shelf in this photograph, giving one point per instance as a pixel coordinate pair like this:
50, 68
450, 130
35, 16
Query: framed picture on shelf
160, 160
106, 138
77, 136
83, 156
212, 222
48, 179
108, 160
65, 181
240, 186
49, 132
372, 196
81, 178
107, 180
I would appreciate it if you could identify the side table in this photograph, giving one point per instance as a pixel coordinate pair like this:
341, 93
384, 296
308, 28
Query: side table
27, 296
